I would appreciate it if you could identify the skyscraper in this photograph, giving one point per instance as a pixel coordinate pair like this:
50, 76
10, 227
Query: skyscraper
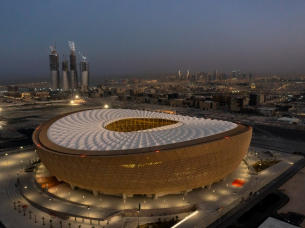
215, 75
73, 68
195, 77
84, 72
234, 74
178, 76
187, 75
250, 76
244, 75
65, 76
54, 69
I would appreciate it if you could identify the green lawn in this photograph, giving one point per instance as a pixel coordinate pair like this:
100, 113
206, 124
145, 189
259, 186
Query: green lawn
261, 165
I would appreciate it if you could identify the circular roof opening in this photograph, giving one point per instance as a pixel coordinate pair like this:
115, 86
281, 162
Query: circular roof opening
138, 124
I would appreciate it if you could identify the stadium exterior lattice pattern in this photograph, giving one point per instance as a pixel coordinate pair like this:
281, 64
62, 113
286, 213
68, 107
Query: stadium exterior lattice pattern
183, 154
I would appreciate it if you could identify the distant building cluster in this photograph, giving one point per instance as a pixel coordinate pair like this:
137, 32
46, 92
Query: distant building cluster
69, 80
12, 92
234, 91
206, 77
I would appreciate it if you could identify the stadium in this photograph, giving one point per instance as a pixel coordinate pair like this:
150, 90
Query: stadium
126, 152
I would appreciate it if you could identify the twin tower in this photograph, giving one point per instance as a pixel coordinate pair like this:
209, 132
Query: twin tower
69, 81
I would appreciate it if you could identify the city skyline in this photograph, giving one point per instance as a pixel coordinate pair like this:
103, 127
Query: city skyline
153, 38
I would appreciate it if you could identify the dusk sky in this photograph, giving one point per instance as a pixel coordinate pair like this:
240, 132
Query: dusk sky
153, 37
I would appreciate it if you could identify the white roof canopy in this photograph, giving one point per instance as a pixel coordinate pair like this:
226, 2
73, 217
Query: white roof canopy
85, 130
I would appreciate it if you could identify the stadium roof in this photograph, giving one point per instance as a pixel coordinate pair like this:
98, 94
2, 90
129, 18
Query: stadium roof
86, 130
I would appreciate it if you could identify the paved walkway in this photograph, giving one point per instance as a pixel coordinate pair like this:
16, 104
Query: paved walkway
294, 189
209, 200
9, 194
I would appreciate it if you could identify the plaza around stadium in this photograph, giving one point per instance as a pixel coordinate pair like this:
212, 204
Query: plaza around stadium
204, 205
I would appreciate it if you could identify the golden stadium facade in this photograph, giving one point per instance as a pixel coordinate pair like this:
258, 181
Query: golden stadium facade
129, 152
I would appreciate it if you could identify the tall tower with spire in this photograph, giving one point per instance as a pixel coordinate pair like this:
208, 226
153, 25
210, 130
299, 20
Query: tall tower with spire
65, 76
54, 69
73, 68
84, 72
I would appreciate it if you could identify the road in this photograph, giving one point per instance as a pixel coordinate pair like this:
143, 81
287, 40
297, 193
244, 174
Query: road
231, 216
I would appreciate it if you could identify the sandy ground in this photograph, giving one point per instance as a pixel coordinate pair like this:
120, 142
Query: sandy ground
294, 189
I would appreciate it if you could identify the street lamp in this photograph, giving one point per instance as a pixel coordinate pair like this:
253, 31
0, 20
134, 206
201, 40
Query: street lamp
144, 203
21, 165
25, 187
138, 218
88, 210
83, 199
234, 195
227, 189
6, 158
182, 201
106, 106
213, 195
188, 206
69, 195
50, 203
22, 150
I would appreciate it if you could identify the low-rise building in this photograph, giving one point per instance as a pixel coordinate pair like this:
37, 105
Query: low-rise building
267, 111
208, 105
26, 96
164, 101
42, 95
176, 102
12, 88
236, 103
257, 99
